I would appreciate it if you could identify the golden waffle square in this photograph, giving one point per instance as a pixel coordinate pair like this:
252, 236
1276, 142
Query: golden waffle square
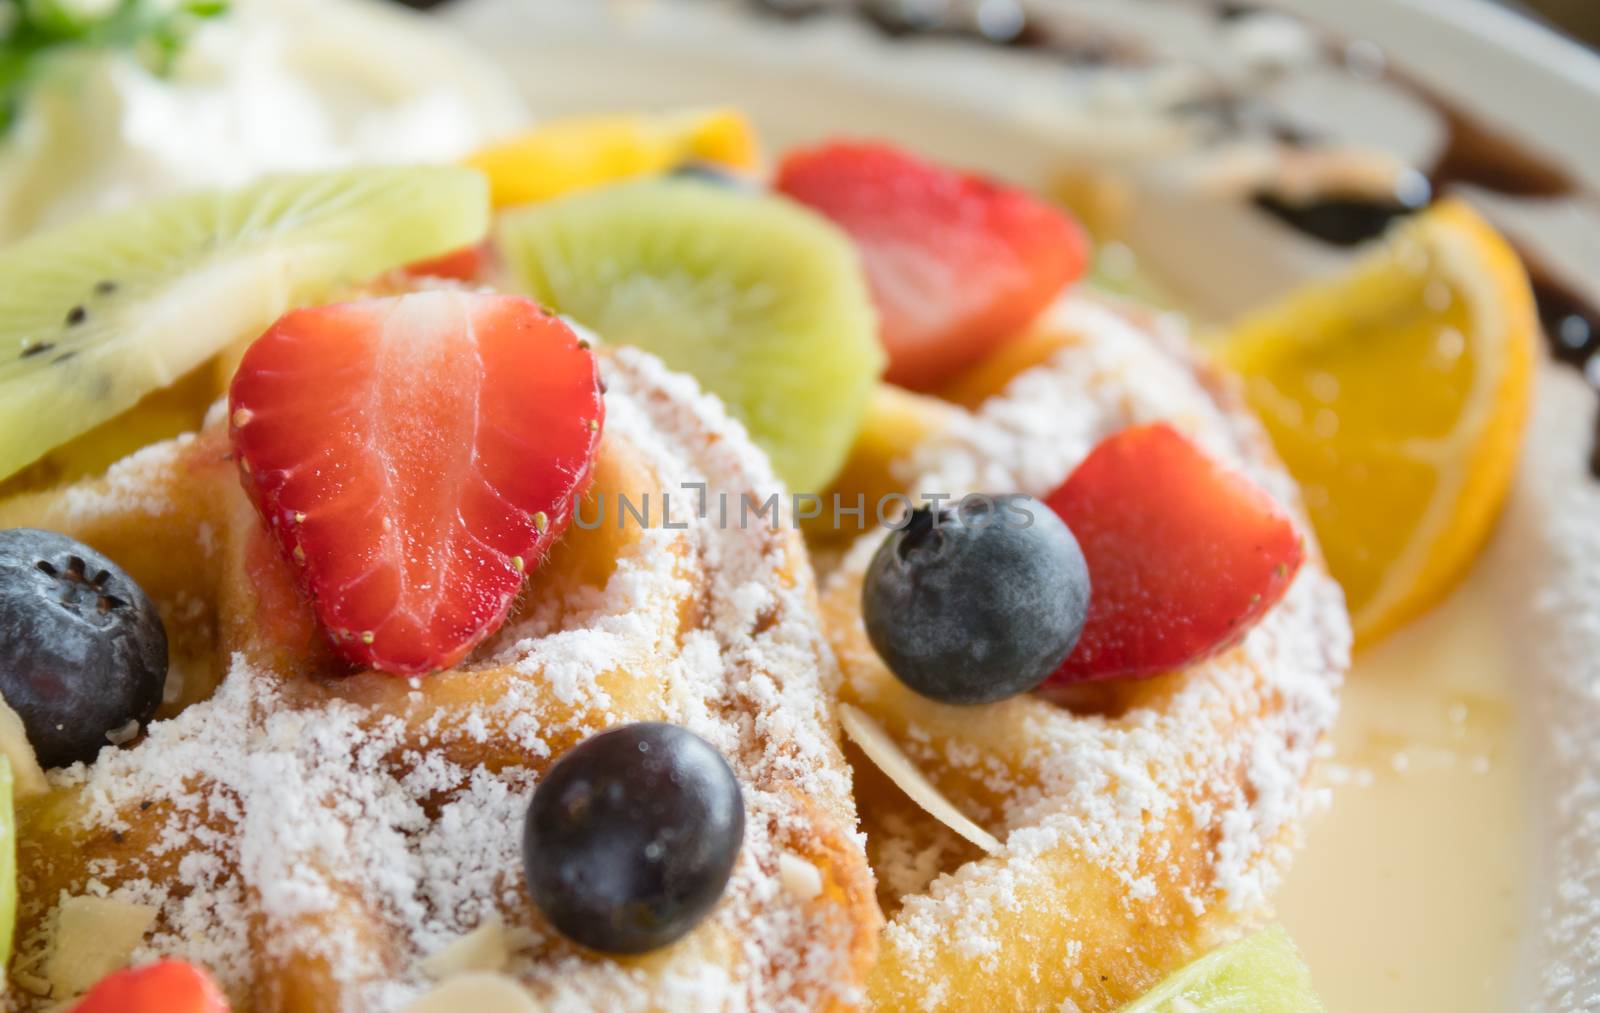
313, 835
1140, 822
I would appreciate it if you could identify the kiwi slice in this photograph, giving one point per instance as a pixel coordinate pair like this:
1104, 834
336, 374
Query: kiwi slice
1262, 973
8, 864
761, 299
97, 314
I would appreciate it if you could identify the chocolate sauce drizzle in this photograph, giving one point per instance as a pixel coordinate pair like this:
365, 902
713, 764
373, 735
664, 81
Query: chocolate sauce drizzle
1572, 326
1007, 24
1474, 154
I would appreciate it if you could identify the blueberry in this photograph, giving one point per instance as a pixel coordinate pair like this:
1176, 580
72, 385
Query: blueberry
82, 650
979, 604
631, 837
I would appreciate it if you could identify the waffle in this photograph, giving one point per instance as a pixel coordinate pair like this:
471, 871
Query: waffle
313, 835
1141, 823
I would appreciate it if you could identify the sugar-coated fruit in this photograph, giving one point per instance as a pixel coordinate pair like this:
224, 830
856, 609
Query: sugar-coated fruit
631, 837
83, 653
1186, 554
167, 986
979, 604
415, 457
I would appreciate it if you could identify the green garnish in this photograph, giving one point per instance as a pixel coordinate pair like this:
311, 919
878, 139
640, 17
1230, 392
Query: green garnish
34, 32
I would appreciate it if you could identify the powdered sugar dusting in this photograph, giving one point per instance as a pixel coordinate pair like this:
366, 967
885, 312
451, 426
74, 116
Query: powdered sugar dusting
136, 484
1553, 530
353, 828
1226, 747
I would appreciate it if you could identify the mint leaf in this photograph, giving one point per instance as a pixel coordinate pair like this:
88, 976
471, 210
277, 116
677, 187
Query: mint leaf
33, 33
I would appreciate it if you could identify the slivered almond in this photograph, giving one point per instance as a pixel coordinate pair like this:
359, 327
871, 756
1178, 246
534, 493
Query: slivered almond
799, 877
94, 936
479, 992
125, 734
482, 949
27, 778
31, 983
888, 757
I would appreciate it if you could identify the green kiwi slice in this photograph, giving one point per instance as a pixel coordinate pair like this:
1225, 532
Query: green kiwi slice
760, 299
8, 863
1262, 973
100, 312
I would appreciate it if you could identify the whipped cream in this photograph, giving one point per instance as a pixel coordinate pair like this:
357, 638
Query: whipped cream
276, 85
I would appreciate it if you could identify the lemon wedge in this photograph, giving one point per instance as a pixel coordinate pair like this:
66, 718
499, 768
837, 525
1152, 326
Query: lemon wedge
573, 153
1397, 395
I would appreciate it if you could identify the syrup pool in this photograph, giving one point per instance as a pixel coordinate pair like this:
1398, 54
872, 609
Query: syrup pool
1409, 893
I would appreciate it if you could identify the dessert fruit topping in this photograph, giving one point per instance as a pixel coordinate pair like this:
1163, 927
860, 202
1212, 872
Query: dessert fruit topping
976, 605
109, 308
1185, 554
1263, 973
577, 153
83, 657
168, 986
957, 263
631, 837
8, 862
1397, 394
759, 299
402, 451
471, 264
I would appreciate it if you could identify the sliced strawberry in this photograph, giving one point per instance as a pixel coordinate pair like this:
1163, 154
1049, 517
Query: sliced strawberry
170, 986
414, 456
470, 263
1184, 554
958, 264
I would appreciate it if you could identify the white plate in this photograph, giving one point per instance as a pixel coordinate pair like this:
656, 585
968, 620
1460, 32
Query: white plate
1533, 603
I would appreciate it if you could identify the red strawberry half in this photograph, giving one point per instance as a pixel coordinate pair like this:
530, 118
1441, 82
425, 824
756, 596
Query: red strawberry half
1184, 554
470, 264
957, 264
413, 457
169, 986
